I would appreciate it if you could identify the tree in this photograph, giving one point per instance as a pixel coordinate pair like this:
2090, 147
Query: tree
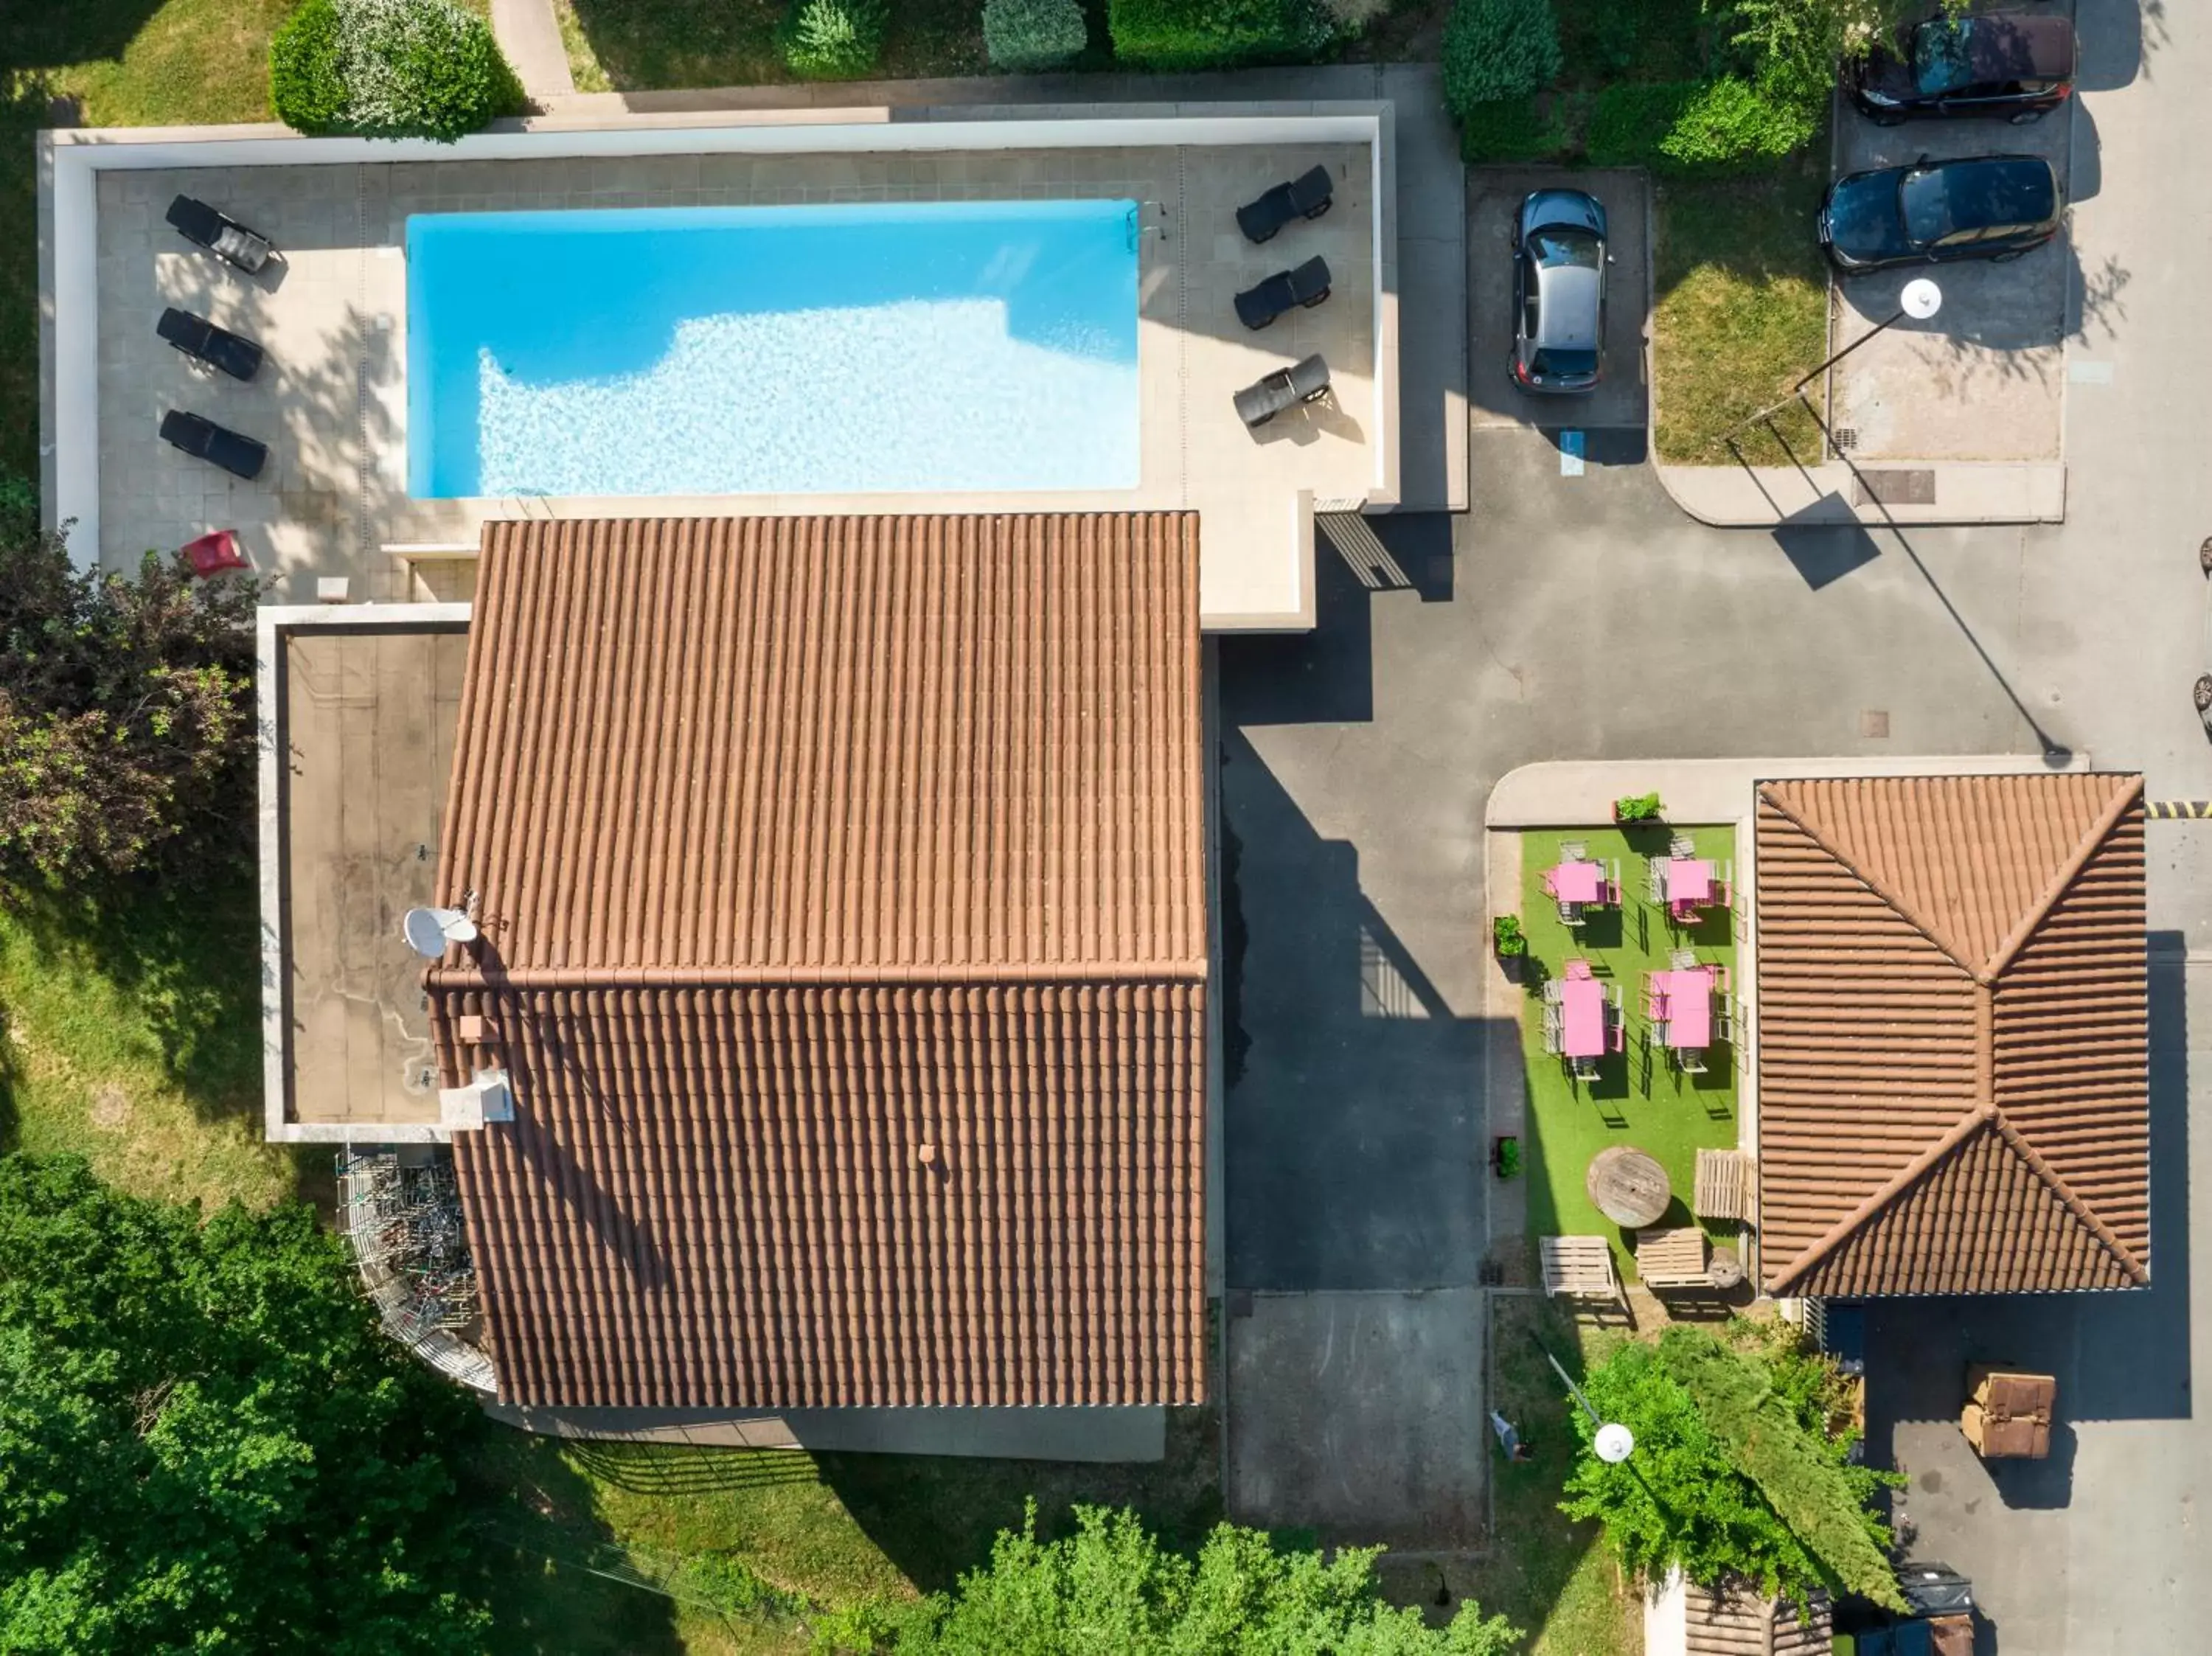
1730, 1476
1110, 1586
126, 710
206, 1441
389, 69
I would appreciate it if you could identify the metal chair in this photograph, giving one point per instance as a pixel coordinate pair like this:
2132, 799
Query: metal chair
1654, 879
1573, 851
1682, 845
1681, 960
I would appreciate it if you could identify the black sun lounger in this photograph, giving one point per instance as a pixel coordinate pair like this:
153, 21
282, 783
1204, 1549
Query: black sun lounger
225, 237
1306, 197
1306, 285
201, 340
1285, 388
218, 445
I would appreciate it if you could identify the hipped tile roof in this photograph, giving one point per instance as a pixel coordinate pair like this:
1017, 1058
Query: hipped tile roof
842, 886
1953, 1045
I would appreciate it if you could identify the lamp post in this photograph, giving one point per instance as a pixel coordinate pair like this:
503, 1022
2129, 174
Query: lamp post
1920, 300
1613, 1440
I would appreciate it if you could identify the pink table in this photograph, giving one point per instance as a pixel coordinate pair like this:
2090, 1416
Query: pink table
1688, 1000
1689, 880
1576, 882
1582, 1017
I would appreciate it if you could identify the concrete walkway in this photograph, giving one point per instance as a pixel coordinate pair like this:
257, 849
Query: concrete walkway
1839, 492
1431, 187
531, 38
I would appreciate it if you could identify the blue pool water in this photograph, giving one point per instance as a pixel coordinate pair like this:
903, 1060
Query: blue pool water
721, 350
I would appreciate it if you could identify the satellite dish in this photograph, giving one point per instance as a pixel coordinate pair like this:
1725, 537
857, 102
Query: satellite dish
1921, 298
1613, 1442
428, 930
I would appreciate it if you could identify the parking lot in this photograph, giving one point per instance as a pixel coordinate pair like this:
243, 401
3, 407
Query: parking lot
1493, 194
1985, 379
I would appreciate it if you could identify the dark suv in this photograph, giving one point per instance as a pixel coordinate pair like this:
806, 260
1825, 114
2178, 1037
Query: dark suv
2013, 64
1933, 212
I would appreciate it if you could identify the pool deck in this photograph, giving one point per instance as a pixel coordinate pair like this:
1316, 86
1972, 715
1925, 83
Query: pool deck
332, 402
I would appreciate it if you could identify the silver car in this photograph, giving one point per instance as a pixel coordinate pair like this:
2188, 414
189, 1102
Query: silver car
1559, 261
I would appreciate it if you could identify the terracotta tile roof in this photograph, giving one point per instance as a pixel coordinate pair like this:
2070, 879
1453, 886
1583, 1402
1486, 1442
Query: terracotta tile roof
1739, 1620
1952, 1045
844, 887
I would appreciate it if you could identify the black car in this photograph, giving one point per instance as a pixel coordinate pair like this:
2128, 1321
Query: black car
1933, 212
2014, 64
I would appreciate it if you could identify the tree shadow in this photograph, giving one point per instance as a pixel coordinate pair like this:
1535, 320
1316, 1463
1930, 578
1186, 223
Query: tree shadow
934, 1517
36, 37
540, 1536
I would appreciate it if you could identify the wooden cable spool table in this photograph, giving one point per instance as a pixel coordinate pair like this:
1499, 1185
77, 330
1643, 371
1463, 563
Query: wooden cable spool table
1628, 1186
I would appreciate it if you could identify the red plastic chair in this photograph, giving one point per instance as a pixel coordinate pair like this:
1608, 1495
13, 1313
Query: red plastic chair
214, 552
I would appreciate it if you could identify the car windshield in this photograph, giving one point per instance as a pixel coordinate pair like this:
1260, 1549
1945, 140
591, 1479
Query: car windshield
1551, 360
1556, 245
1939, 53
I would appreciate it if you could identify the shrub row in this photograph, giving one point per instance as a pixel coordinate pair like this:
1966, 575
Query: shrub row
1499, 56
1216, 34
389, 69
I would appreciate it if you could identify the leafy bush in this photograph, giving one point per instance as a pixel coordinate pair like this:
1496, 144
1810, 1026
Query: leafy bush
1024, 36
1636, 807
1513, 130
1728, 1478
1508, 1156
1629, 119
1111, 1586
1506, 935
127, 713
1496, 50
834, 40
19, 504
1216, 34
208, 1443
1730, 120
305, 85
389, 69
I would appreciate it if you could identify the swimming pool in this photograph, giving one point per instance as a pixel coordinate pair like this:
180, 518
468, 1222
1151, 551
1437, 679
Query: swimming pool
906, 347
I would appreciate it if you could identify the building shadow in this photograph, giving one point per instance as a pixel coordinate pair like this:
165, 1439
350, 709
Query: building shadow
1324, 676
1355, 1155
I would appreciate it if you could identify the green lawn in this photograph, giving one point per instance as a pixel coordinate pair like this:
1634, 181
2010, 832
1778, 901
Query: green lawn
1742, 313
1546, 1573
1638, 1098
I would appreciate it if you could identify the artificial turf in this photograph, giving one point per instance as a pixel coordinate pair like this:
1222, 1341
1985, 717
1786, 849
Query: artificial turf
1638, 1097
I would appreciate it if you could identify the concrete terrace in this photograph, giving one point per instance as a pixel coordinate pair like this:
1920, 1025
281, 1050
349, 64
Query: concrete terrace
332, 402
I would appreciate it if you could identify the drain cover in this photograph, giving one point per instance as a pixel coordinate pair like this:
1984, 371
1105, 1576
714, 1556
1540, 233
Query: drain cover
1895, 488
1845, 438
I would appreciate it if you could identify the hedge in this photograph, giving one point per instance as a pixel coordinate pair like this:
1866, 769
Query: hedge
1024, 36
1496, 50
1730, 120
389, 69
306, 87
834, 40
1216, 34
1631, 119
1514, 130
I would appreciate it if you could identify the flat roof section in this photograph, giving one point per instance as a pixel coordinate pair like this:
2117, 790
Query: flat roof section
367, 717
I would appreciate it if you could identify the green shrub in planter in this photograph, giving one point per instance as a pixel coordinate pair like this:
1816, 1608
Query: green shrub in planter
1025, 36
1506, 937
306, 86
1505, 1156
834, 40
1496, 50
1636, 807
1216, 34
